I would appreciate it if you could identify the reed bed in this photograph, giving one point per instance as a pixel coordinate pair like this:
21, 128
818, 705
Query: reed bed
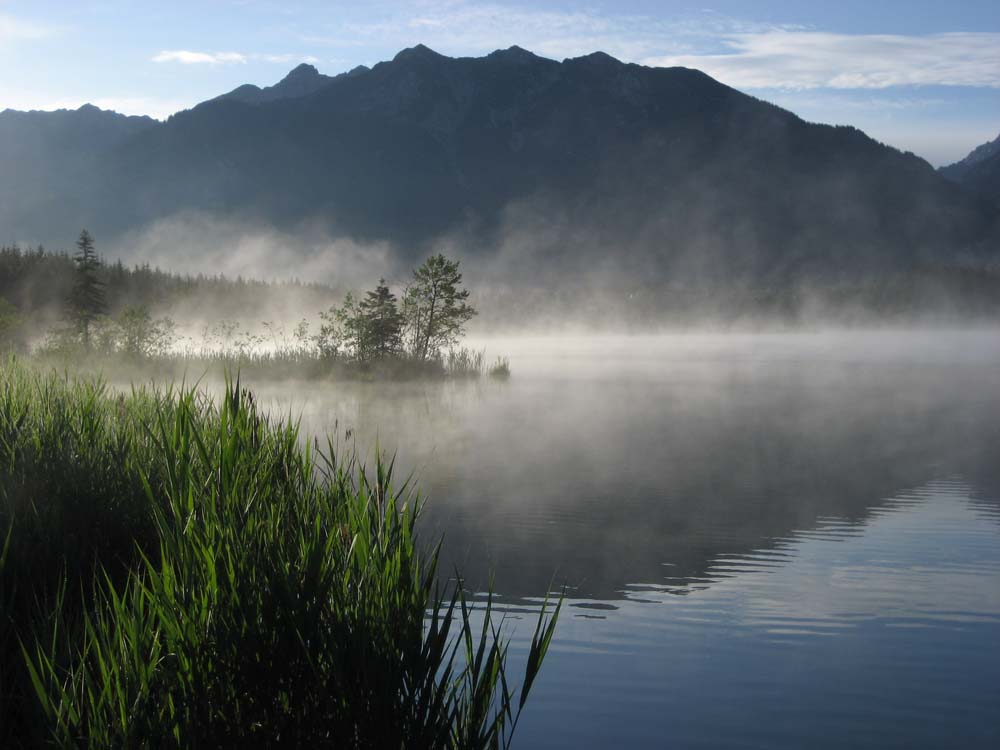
178, 572
274, 365
465, 363
500, 369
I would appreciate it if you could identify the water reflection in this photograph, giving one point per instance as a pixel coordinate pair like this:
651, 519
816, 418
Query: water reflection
881, 637
602, 473
767, 541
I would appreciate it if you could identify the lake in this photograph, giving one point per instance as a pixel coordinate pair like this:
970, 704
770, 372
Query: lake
779, 540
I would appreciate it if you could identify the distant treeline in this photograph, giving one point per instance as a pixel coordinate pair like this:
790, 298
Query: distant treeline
916, 295
37, 282
113, 316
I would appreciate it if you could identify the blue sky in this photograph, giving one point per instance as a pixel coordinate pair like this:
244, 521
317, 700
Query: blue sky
922, 76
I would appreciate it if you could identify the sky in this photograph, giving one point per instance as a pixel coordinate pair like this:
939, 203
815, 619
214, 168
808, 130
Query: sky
921, 76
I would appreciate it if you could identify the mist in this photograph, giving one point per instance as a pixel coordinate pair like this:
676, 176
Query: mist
548, 266
196, 242
681, 448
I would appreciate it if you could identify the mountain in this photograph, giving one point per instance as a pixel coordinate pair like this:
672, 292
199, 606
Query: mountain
301, 81
526, 163
40, 151
979, 171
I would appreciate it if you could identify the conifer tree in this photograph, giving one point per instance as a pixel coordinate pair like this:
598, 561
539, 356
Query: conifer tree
383, 323
87, 299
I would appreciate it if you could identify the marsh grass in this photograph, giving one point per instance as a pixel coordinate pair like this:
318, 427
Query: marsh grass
258, 365
500, 369
228, 347
177, 572
465, 363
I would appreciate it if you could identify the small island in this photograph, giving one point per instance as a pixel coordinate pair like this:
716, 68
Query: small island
94, 326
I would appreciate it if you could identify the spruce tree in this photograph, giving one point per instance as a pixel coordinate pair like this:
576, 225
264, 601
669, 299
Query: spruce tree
383, 324
87, 299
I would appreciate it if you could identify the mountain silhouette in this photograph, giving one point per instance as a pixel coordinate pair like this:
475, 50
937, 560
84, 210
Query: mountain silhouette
979, 172
588, 162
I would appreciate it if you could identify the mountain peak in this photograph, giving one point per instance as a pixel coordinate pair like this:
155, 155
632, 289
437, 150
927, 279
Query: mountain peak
301, 80
979, 154
979, 171
301, 72
983, 152
513, 54
596, 58
419, 52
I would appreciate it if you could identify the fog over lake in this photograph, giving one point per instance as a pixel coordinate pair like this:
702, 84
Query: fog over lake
766, 540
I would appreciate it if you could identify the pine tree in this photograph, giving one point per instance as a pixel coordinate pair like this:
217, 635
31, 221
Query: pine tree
87, 300
382, 323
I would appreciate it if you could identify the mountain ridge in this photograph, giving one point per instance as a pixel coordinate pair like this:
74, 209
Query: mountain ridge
676, 171
979, 171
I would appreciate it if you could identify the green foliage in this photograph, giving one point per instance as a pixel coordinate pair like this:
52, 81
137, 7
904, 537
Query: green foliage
371, 337
138, 334
435, 308
10, 325
180, 573
365, 330
39, 282
381, 323
133, 333
342, 331
87, 301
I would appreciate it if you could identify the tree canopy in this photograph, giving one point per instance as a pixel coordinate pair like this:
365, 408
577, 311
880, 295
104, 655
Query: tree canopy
435, 307
432, 317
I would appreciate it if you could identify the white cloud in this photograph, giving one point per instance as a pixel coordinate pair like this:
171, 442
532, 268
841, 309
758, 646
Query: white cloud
287, 58
745, 54
461, 27
187, 57
796, 60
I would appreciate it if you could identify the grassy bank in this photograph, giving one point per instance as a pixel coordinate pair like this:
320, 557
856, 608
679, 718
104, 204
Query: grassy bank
259, 364
181, 573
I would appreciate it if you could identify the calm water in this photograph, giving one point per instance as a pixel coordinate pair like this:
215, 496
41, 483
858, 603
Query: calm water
778, 541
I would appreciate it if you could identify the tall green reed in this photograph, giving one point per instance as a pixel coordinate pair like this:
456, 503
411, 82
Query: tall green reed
225, 585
